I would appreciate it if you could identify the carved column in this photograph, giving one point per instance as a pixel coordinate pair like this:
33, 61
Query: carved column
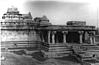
53, 37
92, 37
81, 36
43, 39
64, 36
49, 37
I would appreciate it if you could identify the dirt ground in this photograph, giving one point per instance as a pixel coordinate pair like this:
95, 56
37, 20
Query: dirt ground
14, 59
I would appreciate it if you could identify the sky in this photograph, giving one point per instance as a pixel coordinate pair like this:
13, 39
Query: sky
57, 11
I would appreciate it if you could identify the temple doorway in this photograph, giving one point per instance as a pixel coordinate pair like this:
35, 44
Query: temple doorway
73, 37
59, 37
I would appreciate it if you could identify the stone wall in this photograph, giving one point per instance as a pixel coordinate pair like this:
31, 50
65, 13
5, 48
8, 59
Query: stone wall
19, 36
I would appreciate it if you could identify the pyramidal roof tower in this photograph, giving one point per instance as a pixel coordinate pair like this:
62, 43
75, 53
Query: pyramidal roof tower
13, 15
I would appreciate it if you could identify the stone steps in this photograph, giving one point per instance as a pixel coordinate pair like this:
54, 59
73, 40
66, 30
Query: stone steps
57, 44
54, 55
58, 50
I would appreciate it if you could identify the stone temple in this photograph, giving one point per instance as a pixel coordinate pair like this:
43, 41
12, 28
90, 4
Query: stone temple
23, 32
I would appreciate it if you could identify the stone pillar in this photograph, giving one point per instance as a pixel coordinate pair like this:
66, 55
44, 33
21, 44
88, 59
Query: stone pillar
64, 36
81, 35
92, 37
91, 40
43, 39
49, 37
53, 37
94, 41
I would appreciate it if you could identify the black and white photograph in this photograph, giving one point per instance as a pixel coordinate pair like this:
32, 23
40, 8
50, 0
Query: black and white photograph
49, 32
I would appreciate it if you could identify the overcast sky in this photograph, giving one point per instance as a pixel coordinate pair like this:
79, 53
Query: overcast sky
58, 11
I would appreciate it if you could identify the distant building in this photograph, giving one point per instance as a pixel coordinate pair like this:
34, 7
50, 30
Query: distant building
76, 23
19, 28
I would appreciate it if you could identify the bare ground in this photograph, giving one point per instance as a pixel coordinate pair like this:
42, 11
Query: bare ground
14, 59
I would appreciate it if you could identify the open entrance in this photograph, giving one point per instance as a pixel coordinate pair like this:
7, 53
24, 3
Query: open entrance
44, 36
73, 37
59, 37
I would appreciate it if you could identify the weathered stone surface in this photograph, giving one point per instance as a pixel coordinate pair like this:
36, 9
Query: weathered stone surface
13, 59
